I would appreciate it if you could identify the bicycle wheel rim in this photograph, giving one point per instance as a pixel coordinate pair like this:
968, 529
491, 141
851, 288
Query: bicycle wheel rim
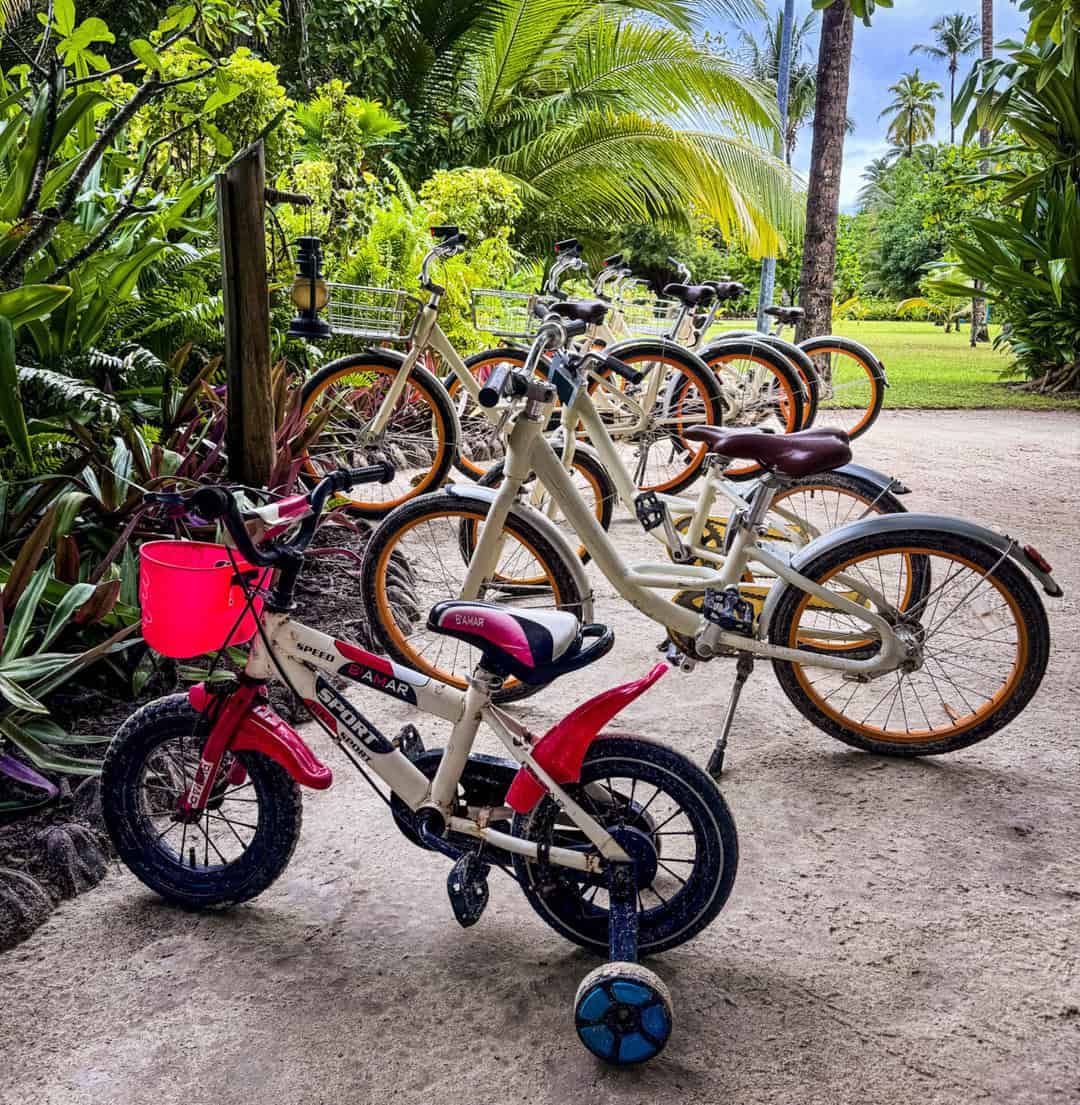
341, 450
475, 424
863, 392
693, 406
787, 407
823, 690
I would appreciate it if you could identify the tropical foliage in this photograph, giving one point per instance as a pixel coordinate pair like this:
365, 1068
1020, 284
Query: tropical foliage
1027, 254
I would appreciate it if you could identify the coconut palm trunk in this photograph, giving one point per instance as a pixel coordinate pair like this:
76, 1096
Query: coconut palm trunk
826, 161
953, 66
979, 332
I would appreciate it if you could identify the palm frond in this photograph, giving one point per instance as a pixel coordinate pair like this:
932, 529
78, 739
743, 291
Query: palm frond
49, 394
607, 168
659, 71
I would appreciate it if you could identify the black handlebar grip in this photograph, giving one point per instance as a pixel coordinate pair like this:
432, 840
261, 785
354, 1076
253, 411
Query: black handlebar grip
212, 503
496, 385
621, 368
383, 472
575, 327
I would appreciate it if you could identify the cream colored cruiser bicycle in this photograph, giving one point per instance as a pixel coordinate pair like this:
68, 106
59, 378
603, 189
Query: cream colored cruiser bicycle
908, 634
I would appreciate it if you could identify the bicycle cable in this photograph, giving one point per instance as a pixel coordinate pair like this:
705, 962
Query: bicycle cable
296, 695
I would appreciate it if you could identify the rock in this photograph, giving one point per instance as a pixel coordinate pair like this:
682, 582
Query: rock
70, 858
24, 904
86, 803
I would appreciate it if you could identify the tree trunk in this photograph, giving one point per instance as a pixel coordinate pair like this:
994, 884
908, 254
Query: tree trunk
241, 191
952, 100
826, 161
979, 332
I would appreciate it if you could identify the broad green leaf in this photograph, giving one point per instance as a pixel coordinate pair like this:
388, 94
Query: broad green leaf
12, 416
121, 280
74, 597
20, 735
1058, 267
66, 509
116, 643
70, 116
32, 301
145, 53
64, 14
22, 618
17, 186
17, 698
32, 669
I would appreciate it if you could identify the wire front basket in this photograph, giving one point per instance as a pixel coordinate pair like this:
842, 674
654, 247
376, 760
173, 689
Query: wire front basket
378, 314
505, 314
648, 316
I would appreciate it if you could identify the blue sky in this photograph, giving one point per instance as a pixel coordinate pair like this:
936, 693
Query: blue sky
881, 55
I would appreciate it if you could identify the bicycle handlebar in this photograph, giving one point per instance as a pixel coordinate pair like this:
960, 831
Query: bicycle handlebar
216, 503
450, 244
505, 381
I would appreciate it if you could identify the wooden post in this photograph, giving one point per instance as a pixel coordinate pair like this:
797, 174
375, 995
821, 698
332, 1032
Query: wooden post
249, 435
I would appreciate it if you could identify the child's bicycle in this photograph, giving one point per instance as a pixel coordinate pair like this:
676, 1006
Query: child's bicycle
622, 845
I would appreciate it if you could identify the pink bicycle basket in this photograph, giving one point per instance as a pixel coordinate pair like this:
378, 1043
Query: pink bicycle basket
190, 598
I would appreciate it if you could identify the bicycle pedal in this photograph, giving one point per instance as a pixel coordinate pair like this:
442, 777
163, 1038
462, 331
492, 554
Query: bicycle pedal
650, 510
468, 888
729, 611
409, 743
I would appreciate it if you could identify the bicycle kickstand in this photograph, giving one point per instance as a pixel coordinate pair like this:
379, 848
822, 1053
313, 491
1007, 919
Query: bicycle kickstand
743, 669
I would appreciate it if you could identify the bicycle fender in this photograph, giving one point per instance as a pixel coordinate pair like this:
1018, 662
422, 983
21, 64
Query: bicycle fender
550, 531
561, 750
878, 479
908, 523
263, 730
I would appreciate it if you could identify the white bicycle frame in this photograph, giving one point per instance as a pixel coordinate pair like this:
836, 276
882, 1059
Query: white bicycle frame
429, 336
641, 585
583, 412
303, 656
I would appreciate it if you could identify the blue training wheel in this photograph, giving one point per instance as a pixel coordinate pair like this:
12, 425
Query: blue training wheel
623, 1013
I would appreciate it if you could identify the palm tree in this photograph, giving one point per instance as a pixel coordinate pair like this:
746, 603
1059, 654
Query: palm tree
912, 112
604, 113
762, 59
955, 36
874, 194
826, 161
978, 329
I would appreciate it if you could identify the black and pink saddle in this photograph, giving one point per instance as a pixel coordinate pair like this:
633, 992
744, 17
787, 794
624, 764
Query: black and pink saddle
536, 646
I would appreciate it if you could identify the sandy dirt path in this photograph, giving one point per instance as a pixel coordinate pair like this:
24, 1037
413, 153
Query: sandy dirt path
899, 931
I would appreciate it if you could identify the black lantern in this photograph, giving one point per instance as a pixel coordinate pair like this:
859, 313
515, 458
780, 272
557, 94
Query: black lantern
309, 292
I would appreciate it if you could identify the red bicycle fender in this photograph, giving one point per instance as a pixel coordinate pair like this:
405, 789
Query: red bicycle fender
263, 730
561, 751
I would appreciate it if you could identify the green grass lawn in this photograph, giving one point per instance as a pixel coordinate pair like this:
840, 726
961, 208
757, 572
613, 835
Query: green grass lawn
930, 369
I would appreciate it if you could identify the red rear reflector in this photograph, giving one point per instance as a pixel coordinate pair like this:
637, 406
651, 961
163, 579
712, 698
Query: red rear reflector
1037, 559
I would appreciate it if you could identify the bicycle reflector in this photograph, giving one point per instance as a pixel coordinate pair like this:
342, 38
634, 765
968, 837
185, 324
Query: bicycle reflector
1037, 559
